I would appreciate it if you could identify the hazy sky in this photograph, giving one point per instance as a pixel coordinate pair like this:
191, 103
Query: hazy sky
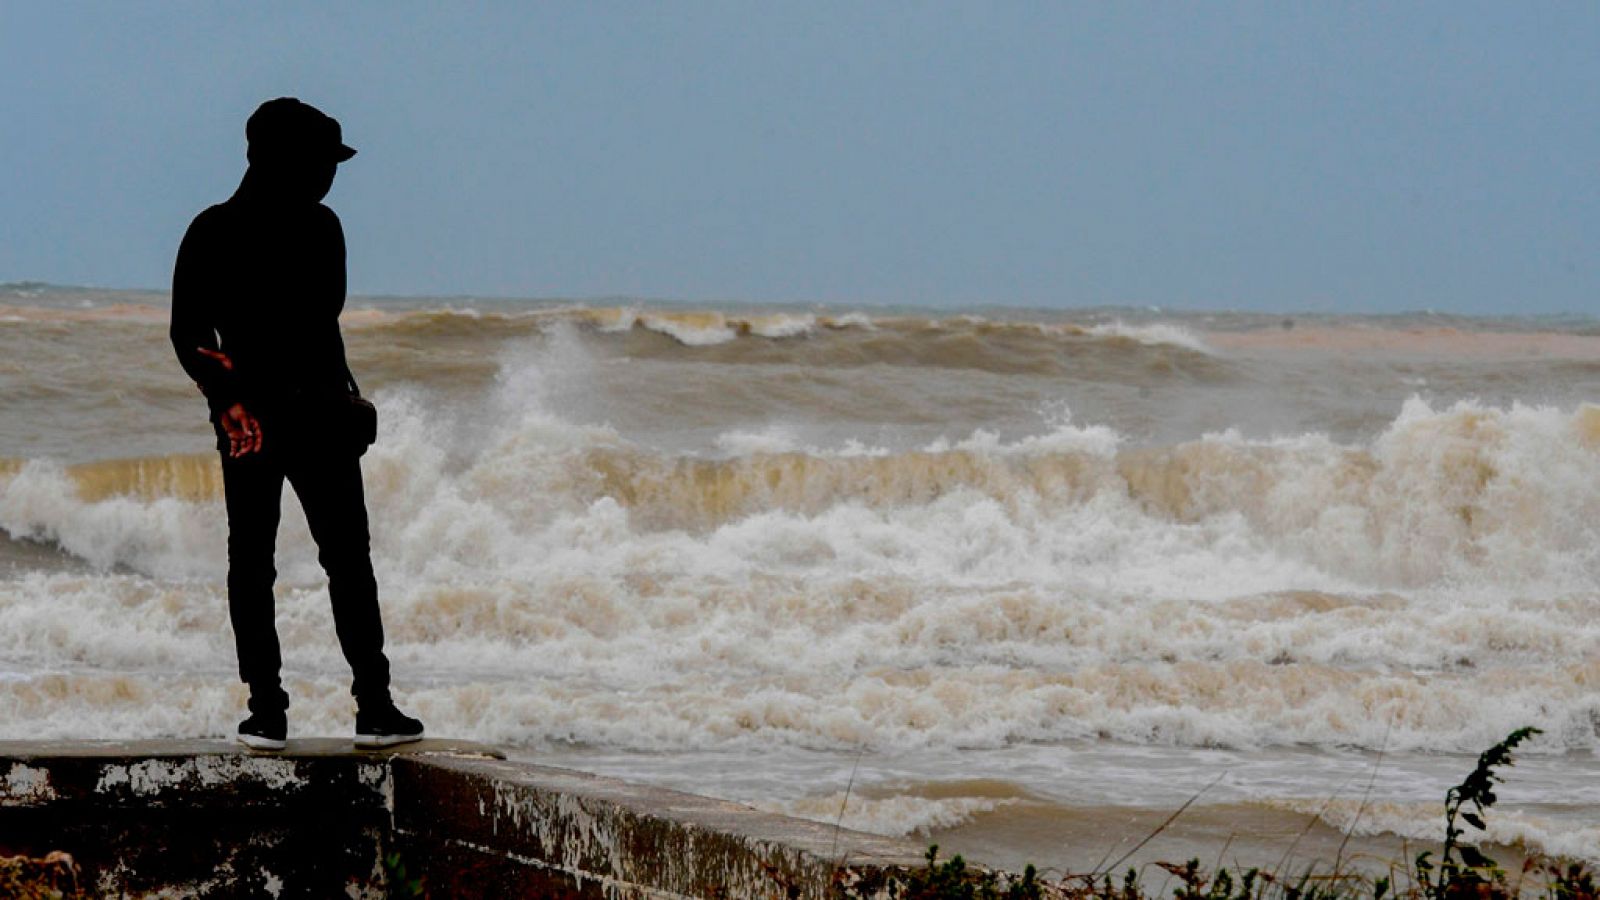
1265, 156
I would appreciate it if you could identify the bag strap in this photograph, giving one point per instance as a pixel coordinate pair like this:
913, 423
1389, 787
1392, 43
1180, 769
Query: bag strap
350, 377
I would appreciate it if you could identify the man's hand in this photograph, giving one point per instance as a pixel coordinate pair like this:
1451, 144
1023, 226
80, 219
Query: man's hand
217, 355
244, 432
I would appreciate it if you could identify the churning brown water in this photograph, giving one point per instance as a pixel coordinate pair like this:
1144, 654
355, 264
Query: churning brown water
1015, 568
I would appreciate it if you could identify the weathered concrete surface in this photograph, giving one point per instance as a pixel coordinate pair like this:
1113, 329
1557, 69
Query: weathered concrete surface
205, 818
210, 819
556, 832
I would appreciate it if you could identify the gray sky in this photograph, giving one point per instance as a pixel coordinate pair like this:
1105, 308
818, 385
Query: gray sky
1326, 156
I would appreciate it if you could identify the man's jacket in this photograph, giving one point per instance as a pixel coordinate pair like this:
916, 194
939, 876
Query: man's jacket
263, 283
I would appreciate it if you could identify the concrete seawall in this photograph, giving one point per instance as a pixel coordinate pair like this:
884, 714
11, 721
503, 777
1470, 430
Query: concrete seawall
211, 819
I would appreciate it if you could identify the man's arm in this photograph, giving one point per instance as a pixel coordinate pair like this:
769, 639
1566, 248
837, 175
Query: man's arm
193, 330
194, 338
338, 284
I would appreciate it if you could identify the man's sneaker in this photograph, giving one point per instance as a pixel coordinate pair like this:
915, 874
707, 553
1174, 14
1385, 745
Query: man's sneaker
385, 727
263, 731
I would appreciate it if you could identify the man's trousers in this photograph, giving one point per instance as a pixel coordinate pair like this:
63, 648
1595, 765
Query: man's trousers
329, 487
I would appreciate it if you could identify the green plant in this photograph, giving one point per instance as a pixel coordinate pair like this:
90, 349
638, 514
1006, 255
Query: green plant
1462, 870
401, 885
1473, 874
952, 880
1570, 881
55, 877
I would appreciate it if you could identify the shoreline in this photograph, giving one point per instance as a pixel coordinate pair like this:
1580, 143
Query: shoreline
211, 818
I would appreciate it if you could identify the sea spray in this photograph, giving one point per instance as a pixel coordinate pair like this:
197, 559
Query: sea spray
813, 534
976, 592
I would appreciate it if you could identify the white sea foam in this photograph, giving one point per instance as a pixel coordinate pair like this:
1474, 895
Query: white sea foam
543, 580
774, 438
165, 537
1432, 588
764, 581
1423, 821
852, 320
692, 329
782, 326
898, 815
1153, 333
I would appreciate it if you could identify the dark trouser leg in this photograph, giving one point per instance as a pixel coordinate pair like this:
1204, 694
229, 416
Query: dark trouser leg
329, 487
253, 487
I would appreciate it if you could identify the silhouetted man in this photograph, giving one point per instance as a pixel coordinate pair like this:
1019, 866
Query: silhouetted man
256, 297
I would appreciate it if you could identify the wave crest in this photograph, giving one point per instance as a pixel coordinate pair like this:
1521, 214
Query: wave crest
1506, 495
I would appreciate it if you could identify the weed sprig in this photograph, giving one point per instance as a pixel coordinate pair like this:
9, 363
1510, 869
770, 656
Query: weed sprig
1463, 872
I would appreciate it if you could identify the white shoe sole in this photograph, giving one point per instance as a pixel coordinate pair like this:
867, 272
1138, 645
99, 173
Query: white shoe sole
385, 740
257, 742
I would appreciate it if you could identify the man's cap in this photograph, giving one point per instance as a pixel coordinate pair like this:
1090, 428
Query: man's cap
285, 127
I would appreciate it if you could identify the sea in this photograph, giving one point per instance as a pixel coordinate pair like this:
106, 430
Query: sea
1086, 588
